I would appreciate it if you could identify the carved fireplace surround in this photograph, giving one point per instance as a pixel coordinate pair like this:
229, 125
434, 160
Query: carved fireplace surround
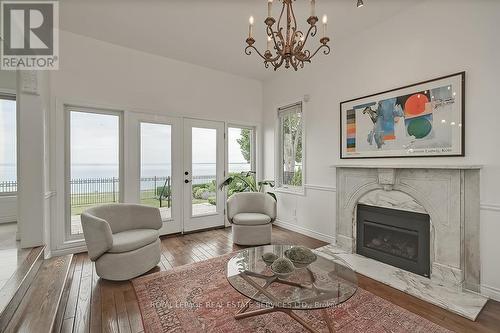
450, 196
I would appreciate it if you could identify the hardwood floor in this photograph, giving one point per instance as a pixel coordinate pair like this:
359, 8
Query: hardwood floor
90, 304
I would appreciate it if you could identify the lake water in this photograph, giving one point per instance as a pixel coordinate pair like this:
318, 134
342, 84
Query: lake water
83, 171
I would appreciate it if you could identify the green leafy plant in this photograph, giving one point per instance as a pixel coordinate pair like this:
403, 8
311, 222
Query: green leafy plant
297, 178
245, 182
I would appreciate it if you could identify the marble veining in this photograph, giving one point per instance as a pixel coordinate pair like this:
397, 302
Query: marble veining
463, 303
397, 200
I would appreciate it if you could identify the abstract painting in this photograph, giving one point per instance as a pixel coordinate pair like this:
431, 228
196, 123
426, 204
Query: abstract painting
423, 119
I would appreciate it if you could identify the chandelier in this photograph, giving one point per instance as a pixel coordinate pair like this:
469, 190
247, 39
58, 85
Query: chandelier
285, 43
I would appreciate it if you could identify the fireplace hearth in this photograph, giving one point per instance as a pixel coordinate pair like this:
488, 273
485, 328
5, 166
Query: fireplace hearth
395, 237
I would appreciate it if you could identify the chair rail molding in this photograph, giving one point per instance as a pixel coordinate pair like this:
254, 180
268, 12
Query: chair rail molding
490, 206
325, 188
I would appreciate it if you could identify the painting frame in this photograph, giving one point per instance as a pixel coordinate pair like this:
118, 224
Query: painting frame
458, 148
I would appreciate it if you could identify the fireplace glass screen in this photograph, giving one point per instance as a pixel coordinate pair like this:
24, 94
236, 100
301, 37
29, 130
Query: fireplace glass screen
395, 241
395, 237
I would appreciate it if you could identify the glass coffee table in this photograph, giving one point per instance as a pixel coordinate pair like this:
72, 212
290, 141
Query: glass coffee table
322, 284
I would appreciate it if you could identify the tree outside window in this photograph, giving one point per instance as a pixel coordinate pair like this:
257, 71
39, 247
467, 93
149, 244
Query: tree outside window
291, 126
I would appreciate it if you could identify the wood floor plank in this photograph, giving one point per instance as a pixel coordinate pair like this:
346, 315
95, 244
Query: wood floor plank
121, 311
109, 320
75, 288
59, 322
21, 273
38, 309
67, 325
134, 313
114, 307
82, 313
95, 306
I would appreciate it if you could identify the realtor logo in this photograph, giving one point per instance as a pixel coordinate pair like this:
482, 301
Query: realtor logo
30, 35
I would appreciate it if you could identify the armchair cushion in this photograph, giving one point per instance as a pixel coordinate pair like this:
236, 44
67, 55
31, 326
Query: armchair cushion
251, 219
251, 202
130, 240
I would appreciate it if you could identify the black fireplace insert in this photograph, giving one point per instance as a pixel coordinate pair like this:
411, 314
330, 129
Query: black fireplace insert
395, 237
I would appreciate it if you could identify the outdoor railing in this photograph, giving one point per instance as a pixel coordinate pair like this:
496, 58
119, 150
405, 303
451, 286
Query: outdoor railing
89, 191
156, 188
8, 187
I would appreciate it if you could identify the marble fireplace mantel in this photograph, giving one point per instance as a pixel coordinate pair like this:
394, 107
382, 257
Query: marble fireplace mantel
438, 190
410, 166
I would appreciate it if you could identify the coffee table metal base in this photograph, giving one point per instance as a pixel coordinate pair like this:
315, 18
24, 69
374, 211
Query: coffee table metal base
242, 314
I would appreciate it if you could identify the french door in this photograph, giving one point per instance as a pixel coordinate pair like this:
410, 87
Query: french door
174, 164
203, 204
160, 168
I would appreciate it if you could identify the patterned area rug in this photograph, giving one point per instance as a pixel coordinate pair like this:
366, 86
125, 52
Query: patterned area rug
198, 298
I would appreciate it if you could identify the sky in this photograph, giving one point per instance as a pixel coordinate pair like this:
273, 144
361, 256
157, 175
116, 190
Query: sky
94, 140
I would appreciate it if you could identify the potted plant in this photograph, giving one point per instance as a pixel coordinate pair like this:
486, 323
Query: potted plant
245, 182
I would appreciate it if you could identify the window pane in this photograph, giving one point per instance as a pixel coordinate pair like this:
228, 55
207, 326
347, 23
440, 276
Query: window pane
204, 159
95, 155
291, 140
8, 169
239, 145
156, 167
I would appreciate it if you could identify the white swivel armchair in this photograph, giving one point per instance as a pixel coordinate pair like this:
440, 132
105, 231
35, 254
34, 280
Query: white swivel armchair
251, 215
122, 239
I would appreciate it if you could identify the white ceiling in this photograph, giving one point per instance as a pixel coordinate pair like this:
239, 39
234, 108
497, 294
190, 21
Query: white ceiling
209, 33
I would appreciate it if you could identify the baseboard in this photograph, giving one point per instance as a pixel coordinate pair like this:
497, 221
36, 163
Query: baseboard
66, 251
305, 231
491, 292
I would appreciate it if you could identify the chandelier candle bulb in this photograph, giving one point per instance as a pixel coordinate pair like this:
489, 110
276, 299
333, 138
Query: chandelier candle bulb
250, 27
269, 7
325, 21
269, 40
313, 9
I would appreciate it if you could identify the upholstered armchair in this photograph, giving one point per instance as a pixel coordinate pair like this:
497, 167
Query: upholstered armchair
251, 215
122, 239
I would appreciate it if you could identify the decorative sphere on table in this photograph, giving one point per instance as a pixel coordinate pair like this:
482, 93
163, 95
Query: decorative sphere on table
282, 266
269, 257
301, 254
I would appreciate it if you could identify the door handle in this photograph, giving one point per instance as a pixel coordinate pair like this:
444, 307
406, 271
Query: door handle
186, 181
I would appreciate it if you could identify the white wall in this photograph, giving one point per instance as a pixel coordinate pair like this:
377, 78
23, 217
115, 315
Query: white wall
100, 72
429, 40
8, 204
93, 72
32, 111
7, 80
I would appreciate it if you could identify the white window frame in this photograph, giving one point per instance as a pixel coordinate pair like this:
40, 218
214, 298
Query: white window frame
280, 187
68, 108
253, 141
10, 95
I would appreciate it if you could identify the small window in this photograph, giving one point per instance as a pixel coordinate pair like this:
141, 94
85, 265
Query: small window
291, 147
8, 145
241, 149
